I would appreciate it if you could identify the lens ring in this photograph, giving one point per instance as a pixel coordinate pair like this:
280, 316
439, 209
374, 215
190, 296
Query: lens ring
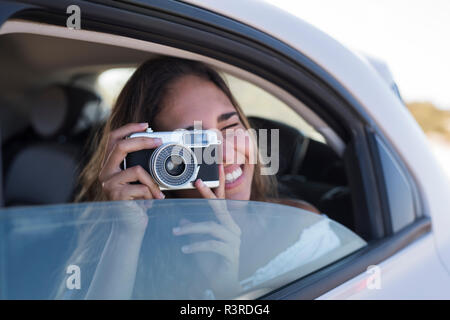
158, 162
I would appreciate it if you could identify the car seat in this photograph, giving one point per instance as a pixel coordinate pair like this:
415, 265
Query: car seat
42, 163
309, 170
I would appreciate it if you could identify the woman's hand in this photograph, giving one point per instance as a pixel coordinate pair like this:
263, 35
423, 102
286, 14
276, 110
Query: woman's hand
223, 272
116, 183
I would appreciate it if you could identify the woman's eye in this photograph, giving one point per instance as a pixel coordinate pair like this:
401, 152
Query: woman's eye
230, 126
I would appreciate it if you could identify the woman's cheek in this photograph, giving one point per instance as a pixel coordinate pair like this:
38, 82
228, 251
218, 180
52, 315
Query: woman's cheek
231, 155
251, 148
238, 148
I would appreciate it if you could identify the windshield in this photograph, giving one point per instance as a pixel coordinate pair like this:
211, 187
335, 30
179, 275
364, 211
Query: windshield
164, 249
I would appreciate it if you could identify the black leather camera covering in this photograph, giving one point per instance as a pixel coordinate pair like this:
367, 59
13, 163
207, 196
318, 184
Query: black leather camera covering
207, 171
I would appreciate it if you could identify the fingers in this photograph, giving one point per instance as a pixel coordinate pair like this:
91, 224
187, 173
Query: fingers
210, 227
130, 192
115, 182
220, 190
204, 190
137, 173
120, 151
224, 216
122, 132
219, 206
219, 247
128, 129
184, 221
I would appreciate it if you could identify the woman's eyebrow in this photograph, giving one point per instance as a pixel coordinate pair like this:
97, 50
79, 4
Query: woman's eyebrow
220, 118
226, 116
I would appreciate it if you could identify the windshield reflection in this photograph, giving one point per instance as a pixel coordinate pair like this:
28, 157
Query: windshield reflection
164, 249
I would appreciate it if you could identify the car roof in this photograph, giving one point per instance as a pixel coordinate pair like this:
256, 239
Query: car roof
331, 55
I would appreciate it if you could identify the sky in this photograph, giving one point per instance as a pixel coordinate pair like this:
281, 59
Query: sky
411, 36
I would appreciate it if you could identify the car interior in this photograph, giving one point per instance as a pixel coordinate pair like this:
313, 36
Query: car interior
51, 108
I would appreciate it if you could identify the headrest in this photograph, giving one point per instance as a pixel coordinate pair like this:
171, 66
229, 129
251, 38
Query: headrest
43, 173
291, 142
57, 109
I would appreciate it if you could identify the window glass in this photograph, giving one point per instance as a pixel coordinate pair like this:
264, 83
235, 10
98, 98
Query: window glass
398, 188
129, 249
110, 83
258, 102
253, 100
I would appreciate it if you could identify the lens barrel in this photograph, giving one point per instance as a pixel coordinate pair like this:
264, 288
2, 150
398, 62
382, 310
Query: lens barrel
173, 165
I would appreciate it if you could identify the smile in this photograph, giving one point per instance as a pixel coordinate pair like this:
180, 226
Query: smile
233, 176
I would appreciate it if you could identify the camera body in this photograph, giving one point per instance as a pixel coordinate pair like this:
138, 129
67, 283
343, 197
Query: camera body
183, 157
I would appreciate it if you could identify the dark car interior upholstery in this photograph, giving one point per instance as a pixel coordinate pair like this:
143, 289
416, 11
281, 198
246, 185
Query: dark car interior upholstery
309, 170
41, 163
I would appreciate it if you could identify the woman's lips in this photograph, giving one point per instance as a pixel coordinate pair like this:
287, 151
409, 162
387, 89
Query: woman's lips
234, 176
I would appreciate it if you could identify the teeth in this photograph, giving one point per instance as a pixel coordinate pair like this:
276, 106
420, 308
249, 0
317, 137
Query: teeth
230, 177
237, 173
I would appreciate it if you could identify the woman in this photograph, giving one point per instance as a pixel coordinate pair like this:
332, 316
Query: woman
168, 94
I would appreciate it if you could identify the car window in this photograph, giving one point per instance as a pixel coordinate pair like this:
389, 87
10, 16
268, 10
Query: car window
110, 82
257, 102
64, 251
254, 101
398, 187
129, 249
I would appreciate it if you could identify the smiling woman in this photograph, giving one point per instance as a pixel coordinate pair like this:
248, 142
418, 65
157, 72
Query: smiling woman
169, 94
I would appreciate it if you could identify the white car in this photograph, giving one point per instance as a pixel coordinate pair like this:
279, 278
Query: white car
348, 145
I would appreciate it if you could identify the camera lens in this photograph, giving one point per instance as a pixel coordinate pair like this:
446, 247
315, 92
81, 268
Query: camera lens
175, 165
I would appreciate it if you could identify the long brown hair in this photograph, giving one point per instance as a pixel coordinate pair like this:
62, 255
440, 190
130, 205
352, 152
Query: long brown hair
140, 100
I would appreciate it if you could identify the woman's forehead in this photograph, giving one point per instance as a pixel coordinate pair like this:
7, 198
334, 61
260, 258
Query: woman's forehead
193, 99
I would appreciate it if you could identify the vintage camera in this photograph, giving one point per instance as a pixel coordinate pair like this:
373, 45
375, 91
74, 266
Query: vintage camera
183, 157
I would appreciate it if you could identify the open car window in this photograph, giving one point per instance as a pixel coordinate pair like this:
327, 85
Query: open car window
254, 101
257, 102
128, 249
81, 251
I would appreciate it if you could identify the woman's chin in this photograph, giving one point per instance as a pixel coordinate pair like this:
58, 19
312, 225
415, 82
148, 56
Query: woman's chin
240, 188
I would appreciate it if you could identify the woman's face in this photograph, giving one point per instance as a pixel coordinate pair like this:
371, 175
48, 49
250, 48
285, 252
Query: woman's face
189, 99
